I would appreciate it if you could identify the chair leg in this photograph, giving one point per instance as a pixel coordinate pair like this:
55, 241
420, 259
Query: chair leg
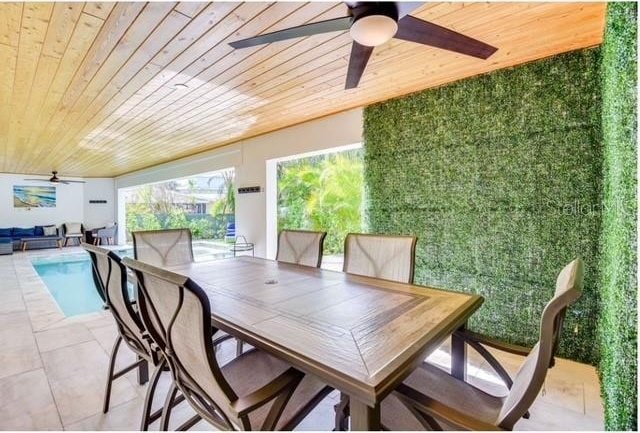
143, 371
168, 405
112, 365
342, 414
148, 400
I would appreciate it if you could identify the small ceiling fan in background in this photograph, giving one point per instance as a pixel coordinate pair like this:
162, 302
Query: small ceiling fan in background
56, 179
374, 23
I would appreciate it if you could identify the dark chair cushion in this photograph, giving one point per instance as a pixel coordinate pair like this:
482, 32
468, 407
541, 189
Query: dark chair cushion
5, 233
18, 232
38, 231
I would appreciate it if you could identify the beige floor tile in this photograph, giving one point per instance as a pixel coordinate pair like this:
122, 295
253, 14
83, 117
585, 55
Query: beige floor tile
125, 416
43, 310
15, 319
26, 403
547, 416
592, 400
56, 338
11, 301
321, 418
19, 351
77, 375
564, 393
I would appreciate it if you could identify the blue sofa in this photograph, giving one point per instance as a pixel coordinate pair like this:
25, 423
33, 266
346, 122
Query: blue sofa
18, 233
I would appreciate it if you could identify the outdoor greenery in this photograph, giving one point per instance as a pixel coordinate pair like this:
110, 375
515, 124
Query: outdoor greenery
619, 315
322, 193
499, 176
156, 206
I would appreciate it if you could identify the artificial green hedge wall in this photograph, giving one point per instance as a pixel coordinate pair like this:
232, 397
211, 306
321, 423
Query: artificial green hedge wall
499, 177
618, 322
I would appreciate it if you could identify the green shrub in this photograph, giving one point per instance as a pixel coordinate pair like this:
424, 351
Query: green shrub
322, 193
499, 176
619, 315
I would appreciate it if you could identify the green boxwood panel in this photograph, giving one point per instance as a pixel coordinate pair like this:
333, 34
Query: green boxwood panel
619, 316
500, 177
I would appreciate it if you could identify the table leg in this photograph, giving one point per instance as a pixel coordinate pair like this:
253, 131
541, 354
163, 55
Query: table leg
364, 417
24, 246
458, 357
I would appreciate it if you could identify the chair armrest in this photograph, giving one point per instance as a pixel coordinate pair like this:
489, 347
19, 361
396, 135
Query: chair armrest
492, 342
433, 408
287, 381
479, 341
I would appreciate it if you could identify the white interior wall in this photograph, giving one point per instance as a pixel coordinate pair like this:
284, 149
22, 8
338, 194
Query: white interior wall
249, 158
99, 214
72, 203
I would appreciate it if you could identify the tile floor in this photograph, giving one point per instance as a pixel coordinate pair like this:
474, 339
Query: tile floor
53, 368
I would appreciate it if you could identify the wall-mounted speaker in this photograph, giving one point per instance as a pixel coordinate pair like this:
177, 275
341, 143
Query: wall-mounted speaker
249, 189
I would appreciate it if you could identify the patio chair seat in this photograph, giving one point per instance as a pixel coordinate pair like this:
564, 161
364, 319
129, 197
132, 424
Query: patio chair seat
441, 386
254, 369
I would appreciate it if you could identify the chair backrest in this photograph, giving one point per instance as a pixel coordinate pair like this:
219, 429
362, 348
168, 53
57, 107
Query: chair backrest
73, 228
380, 256
301, 247
532, 373
177, 314
111, 280
171, 247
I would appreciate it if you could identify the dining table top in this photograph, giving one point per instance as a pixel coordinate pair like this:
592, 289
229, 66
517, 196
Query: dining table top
361, 335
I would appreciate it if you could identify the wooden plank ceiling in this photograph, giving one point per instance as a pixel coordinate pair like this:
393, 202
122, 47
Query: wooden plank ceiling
102, 89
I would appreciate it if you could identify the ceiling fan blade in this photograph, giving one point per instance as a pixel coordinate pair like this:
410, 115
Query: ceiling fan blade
416, 30
38, 180
357, 62
72, 181
333, 25
405, 8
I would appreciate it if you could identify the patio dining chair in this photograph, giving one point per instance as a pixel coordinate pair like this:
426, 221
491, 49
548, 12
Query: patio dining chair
432, 399
73, 231
105, 235
111, 277
170, 247
380, 256
300, 247
254, 391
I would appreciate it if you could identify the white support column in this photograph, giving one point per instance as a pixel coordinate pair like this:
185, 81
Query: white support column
121, 217
271, 190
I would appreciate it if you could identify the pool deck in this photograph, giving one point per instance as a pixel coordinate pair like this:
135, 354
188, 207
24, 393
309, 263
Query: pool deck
53, 369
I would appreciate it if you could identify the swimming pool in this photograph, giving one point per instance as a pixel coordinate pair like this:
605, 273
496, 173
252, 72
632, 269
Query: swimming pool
69, 280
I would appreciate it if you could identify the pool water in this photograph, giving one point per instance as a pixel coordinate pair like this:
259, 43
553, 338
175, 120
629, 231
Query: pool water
70, 282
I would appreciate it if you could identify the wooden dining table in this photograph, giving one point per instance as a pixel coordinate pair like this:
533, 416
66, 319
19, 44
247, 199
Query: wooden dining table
362, 336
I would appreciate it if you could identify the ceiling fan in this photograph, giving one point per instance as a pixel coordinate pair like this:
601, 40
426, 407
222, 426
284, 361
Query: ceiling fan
374, 23
56, 179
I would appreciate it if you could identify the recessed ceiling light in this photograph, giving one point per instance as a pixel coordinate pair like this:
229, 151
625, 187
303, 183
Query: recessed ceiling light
180, 86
